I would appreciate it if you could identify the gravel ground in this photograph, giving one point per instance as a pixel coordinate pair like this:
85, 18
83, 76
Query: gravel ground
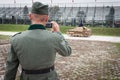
90, 60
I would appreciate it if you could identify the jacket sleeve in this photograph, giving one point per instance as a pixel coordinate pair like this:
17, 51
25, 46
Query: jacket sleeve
11, 65
63, 47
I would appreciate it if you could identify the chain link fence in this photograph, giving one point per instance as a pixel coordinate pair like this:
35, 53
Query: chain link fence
91, 14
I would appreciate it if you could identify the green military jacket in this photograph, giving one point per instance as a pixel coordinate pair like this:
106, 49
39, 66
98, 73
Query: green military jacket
35, 49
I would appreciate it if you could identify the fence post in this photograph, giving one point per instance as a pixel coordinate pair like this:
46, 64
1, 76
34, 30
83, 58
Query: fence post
103, 16
93, 20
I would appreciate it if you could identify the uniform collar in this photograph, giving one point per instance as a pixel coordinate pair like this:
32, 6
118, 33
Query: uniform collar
36, 26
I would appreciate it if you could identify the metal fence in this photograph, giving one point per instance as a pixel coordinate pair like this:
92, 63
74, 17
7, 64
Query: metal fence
74, 14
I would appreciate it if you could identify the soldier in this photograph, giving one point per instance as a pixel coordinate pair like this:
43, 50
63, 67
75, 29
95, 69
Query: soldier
35, 49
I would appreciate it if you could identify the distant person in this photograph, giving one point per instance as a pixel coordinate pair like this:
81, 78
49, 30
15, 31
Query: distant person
81, 24
35, 49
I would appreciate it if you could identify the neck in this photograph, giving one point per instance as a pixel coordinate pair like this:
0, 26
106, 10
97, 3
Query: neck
42, 23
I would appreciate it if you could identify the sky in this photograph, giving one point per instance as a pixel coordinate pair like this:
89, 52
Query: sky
53, 1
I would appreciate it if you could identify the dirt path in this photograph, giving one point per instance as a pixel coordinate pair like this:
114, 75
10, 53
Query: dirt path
91, 38
90, 60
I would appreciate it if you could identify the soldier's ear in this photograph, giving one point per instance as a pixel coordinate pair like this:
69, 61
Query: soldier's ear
47, 17
30, 16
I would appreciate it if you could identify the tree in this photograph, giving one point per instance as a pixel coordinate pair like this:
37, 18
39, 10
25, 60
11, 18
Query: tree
110, 17
25, 13
25, 10
53, 10
81, 16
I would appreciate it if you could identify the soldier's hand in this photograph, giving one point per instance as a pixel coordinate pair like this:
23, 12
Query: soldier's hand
55, 27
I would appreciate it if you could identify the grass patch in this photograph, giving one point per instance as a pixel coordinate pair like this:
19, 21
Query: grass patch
64, 29
13, 27
105, 31
3, 37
